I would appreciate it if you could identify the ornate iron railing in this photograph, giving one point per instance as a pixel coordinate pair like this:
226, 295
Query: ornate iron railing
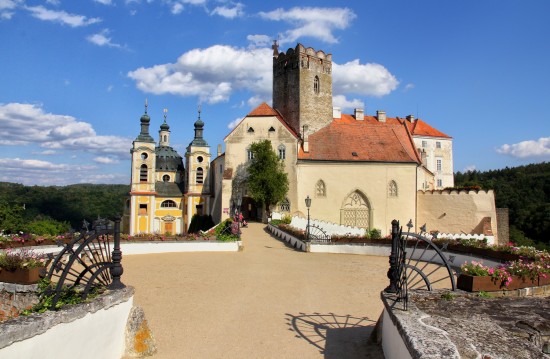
87, 262
416, 263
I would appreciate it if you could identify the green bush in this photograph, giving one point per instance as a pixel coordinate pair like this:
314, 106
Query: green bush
374, 233
224, 233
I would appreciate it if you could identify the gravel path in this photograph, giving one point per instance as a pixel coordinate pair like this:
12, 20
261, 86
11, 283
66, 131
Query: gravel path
268, 301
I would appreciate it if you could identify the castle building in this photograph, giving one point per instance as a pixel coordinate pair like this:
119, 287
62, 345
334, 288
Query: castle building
359, 169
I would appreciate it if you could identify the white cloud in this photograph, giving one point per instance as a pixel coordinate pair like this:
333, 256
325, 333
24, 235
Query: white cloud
258, 41
53, 2
231, 125
110, 88
362, 79
229, 12
7, 8
314, 22
527, 149
106, 160
61, 17
177, 8
45, 153
104, 2
23, 124
212, 74
469, 168
102, 39
254, 101
37, 172
345, 104
408, 87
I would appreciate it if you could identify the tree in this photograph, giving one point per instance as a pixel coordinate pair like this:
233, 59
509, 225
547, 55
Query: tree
267, 179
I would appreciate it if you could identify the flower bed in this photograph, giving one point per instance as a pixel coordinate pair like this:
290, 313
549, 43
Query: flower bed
22, 266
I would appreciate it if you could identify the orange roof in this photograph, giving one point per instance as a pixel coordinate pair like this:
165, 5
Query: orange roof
421, 128
349, 140
264, 110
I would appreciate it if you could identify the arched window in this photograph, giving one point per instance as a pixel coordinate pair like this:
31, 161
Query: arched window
282, 152
165, 178
316, 85
168, 204
320, 189
284, 206
143, 173
200, 175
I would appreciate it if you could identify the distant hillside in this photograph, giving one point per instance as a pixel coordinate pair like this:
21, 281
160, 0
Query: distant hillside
525, 190
72, 203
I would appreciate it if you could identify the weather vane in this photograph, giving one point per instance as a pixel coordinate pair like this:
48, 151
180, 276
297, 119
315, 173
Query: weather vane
146, 105
165, 113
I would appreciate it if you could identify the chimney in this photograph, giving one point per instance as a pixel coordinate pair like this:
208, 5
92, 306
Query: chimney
359, 114
423, 157
219, 150
337, 112
381, 116
410, 118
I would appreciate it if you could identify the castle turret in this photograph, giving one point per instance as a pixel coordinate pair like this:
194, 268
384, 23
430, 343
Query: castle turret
302, 87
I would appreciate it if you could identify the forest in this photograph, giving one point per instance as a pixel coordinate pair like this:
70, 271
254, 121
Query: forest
56, 209
525, 191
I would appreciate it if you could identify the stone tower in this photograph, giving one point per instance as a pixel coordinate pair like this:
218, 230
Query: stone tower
302, 88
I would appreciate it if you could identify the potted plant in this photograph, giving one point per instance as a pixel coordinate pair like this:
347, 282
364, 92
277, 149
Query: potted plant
476, 277
21, 266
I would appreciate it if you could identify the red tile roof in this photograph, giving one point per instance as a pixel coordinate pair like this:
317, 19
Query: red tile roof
264, 110
349, 140
418, 128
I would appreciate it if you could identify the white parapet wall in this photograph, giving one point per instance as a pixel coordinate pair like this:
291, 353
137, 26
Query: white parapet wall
94, 329
393, 345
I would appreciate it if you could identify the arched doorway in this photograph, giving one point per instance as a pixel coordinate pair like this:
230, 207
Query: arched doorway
250, 210
355, 210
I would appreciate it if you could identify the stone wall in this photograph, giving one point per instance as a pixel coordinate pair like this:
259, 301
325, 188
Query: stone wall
15, 298
454, 211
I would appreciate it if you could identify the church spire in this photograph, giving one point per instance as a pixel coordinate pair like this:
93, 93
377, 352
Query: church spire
144, 135
164, 133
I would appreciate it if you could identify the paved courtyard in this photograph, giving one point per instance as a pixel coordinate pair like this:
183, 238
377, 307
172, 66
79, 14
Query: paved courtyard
268, 301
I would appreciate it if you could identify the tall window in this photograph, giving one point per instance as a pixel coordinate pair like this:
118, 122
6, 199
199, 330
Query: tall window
249, 154
142, 209
200, 175
392, 189
438, 164
282, 152
316, 85
439, 183
168, 204
438, 144
143, 173
320, 189
424, 144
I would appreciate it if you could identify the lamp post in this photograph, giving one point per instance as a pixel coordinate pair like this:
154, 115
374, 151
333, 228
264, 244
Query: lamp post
308, 204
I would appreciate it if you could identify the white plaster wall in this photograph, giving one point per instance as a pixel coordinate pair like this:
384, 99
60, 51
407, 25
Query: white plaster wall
164, 247
351, 249
392, 343
97, 335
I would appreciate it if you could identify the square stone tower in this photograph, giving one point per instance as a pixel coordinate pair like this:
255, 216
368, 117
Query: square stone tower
302, 88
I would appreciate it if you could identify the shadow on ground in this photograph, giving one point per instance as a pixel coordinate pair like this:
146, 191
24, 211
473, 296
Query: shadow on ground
336, 336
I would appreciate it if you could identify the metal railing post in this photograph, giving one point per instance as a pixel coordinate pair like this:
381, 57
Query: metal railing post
116, 269
393, 271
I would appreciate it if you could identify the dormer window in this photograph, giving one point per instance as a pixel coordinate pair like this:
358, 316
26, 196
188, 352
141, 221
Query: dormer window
250, 130
271, 129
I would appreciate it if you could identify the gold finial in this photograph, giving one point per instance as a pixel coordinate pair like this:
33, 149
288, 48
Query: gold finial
146, 105
165, 113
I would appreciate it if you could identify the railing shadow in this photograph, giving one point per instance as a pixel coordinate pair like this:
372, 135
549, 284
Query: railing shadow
336, 336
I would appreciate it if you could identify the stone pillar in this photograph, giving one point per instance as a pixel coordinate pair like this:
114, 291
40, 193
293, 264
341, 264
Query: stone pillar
503, 225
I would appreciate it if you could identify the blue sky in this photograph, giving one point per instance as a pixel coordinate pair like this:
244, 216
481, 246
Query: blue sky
75, 74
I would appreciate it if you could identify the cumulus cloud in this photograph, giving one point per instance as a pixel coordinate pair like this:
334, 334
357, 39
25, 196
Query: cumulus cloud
104, 2
102, 39
212, 74
315, 22
408, 87
469, 168
7, 8
345, 104
61, 17
527, 149
258, 41
363, 79
36, 172
231, 125
24, 124
236, 10
106, 160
